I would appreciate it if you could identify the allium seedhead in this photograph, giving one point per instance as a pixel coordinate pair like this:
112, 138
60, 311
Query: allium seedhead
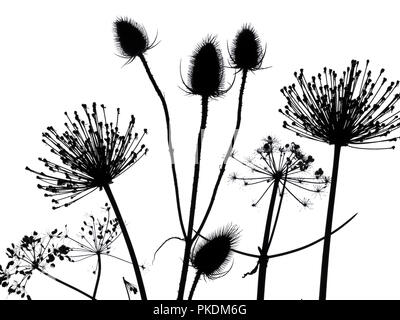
276, 162
210, 257
206, 73
246, 52
33, 252
351, 109
92, 152
131, 38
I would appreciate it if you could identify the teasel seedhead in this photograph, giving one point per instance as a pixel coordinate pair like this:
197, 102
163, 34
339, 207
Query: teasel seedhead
351, 109
131, 38
206, 71
210, 257
274, 162
246, 52
93, 153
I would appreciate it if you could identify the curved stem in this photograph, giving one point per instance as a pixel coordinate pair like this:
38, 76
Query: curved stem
98, 275
328, 226
169, 139
189, 240
228, 153
127, 241
262, 270
195, 282
66, 284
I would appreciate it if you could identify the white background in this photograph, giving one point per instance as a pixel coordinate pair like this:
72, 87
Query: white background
56, 55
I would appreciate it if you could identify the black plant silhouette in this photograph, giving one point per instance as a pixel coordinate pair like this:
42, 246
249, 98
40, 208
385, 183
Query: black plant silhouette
34, 252
246, 55
352, 110
210, 257
284, 168
95, 240
133, 42
206, 76
93, 153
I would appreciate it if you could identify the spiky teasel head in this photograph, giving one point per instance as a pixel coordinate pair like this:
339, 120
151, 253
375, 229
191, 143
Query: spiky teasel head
131, 38
246, 52
92, 152
206, 71
348, 109
210, 257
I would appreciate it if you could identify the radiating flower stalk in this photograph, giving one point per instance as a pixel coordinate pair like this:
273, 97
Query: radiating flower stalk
211, 257
284, 169
95, 240
353, 109
34, 253
93, 153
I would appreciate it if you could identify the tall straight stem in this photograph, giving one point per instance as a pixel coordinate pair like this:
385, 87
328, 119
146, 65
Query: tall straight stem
169, 139
228, 153
328, 226
127, 241
66, 284
98, 274
189, 240
194, 285
262, 269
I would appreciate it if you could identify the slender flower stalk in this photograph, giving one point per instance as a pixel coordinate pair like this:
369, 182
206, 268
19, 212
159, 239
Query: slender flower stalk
34, 253
283, 168
95, 240
354, 110
206, 78
93, 153
211, 257
246, 55
133, 41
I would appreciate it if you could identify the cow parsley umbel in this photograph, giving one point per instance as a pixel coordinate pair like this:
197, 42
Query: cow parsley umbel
351, 109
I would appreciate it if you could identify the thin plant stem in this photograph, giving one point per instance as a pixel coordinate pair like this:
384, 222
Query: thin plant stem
98, 275
189, 240
228, 153
194, 285
328, 226
169, 139
128, 242
263, 257
66, 284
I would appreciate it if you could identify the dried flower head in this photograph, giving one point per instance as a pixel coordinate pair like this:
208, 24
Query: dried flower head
348, 110
211, 256
131, 38
279, 163
206, 72
34, 252
96, 237
93, 153
246, 52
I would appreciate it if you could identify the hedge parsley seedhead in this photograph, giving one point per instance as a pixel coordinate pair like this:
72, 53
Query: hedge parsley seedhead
33, 252
210, 257
93, 153
351, 109
274, 162
96, 237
